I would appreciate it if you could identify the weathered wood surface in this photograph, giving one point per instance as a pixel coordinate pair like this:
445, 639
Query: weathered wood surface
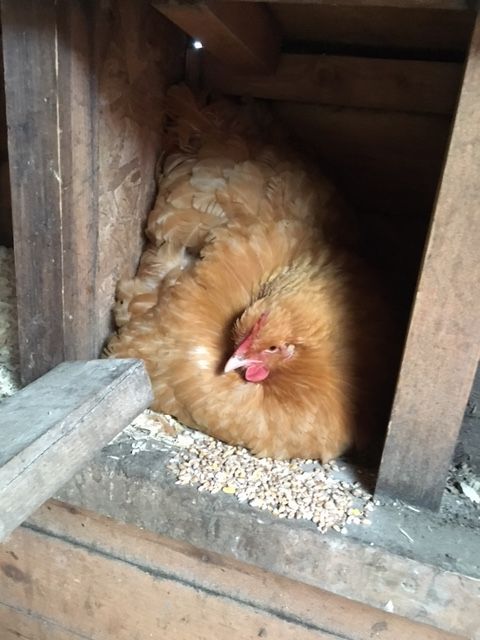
379, 28
427, 580
244, 37
119, 582
458, 5
367, 83
33, 138
443, 344
5, 204
84, 84
49, 429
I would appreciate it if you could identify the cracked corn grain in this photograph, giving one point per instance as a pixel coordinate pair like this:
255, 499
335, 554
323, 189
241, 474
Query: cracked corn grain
296, 489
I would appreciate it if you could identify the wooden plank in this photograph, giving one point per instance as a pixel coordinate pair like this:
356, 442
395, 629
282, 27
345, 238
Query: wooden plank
427, 580
442, 348
384, 28
17, 623
121, 582
30, 86
457, 5
3, 115
244, 37
52, 427
84, 132
367, 83
5, 206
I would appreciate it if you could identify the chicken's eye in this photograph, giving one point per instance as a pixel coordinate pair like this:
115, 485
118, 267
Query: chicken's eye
272, 349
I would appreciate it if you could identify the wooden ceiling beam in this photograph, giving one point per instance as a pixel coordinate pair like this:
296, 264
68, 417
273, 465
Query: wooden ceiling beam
244, 36
458, 5
368, 83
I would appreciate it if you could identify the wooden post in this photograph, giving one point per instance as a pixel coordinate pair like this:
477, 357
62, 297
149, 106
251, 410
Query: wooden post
53, 426
442, 348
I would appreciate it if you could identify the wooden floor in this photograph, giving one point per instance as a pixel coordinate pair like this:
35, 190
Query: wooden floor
72, 574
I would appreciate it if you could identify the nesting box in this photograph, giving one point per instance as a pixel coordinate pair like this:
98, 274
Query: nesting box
370, 90
383, 94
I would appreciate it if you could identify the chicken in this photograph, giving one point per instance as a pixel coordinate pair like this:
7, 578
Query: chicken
257, 323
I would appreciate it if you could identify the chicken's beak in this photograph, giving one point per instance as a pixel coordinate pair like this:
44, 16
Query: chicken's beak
236, 362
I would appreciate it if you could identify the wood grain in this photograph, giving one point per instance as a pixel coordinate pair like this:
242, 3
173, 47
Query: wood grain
5, 206
157, 585
6, 232
30, 86
244, 37
381, 28
3, 115
442, 349
457, 5
423, 582
53, 426
367, 83
84, 87
17, 623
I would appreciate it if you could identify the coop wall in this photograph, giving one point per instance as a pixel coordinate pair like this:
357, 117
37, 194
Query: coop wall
85, 116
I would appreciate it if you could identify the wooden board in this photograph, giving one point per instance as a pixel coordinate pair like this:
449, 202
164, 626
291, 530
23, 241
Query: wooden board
119, 582
410, 31
5, 206
457, 5
84, 86
367, 83
53, 426
443, 345
3, 115
434, 580
244, 37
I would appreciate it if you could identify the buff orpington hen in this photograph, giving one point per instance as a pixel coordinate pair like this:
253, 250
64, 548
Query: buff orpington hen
256, 322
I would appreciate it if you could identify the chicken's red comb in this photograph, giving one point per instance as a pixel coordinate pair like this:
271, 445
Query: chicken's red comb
246, 343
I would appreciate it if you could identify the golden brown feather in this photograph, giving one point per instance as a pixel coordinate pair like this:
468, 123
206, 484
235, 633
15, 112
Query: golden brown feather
245, 272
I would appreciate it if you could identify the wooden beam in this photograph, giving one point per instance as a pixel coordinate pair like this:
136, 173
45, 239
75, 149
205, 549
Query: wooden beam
52, 427
458, 5
162, 588
5, 205
443, 344
245, 37
399, 85
410, 31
